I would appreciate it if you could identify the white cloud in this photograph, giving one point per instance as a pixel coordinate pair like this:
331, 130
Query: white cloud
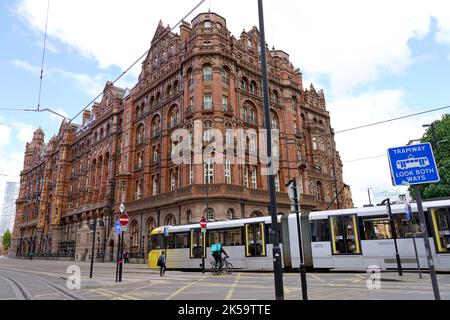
5, 134
370, 107
353, 42
91, 85
25, 66
24, 132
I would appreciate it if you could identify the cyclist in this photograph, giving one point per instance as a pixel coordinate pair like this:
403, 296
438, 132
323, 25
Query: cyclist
217, 250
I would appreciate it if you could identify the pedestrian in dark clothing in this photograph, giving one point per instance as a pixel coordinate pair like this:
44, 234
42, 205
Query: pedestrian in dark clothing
162, 264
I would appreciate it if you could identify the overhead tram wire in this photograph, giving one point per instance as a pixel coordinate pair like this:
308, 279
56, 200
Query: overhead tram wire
363, 159
127, 70
391, 120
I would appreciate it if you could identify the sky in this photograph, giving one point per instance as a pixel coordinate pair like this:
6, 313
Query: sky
374, 59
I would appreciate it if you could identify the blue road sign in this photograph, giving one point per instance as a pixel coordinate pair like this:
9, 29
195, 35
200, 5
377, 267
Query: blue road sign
411, 165
117, 228
166, 231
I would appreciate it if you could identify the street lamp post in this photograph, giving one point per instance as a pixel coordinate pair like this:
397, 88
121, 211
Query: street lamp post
278, 272
394, 234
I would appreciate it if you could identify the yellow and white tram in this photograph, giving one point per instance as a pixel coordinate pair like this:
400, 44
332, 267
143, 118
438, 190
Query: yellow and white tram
350, 239
246, 241
354, 239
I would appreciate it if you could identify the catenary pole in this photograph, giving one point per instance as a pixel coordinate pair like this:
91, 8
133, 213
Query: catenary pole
278, 272
423, 225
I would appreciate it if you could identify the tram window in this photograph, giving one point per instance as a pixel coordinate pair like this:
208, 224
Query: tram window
233, 237
269, 239
320, 230
255, 240
170, 241
198, 243
182, 240
403, 228
345, 235
440, 218
213, 235
156, 242
376, 228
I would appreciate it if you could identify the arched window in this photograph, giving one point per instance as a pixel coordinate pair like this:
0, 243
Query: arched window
252, 116
207, 72
190, 216
171, 220
274, 96
273, 122
163, 57
134, 234
230, 215
244, 84
140, 134
176, 86
250, 44
190, 77
156, 126
225, 74
244, 114
168, 91
209, 215
252, 87
173, 118
151, 224
319, 191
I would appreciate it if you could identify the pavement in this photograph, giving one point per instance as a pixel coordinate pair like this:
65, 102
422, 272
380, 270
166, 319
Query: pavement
141, 283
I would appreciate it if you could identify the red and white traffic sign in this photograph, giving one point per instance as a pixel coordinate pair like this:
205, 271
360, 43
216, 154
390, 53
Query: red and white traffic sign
203, 223
124, 219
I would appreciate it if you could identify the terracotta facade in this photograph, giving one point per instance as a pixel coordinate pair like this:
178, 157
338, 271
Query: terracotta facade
202, 78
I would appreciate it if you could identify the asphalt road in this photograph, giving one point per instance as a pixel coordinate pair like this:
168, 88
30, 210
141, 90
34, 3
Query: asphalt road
47, 280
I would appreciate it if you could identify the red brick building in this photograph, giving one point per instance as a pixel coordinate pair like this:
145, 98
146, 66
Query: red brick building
203, 79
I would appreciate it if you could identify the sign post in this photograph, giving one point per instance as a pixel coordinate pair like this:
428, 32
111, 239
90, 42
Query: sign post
203, 225
94, 234
123, 220
118, 232
409, 217
293, 195
412, 166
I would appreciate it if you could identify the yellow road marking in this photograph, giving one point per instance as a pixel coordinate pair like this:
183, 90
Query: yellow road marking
182, 289
233, 286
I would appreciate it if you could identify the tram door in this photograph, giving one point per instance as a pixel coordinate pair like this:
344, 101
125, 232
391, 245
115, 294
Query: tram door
344, 235
441, 225
255, 242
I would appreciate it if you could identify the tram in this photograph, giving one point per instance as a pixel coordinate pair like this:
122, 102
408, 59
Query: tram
355, 239
349, 239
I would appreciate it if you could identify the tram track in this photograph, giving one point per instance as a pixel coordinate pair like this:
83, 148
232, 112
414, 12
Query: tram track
25, 293
20, 291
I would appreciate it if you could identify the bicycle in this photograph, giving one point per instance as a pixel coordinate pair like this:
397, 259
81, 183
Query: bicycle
226, 267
